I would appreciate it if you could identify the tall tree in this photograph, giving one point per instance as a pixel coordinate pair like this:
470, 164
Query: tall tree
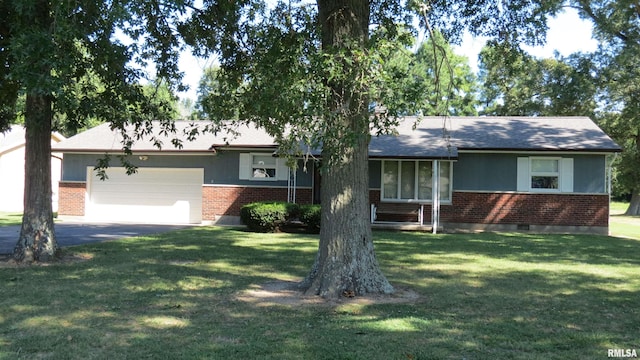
430, 80
46, 49
316, 75
619, 117
516, 83
617, 27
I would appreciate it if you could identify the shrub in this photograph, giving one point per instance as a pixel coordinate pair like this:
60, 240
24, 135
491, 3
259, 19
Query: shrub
293, 211
267, 216
310, 215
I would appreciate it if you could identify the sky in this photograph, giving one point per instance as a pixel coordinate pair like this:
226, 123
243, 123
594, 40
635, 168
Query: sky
567, 34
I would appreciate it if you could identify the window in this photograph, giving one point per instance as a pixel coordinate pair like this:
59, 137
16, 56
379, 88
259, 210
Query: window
413, 180
262, 166
545, 174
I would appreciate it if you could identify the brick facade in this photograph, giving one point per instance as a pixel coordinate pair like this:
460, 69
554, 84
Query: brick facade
216, 200
534, 209
571, 210
228, 200
71, 197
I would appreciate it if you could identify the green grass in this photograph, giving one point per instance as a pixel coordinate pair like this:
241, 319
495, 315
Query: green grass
618, 207
8, 219
176, 295
622, 225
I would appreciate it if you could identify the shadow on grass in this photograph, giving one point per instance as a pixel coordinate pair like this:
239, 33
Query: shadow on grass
174, 296
592, 249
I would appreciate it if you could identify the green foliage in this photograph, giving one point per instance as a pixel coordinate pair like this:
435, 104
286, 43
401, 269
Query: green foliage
516, 83
310, 215
430, 81
617, 28
515, 21
87, 73
271, 216
275, 69
267, 216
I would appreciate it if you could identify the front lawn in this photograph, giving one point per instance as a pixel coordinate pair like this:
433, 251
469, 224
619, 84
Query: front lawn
181, 295
623, 225
8, 219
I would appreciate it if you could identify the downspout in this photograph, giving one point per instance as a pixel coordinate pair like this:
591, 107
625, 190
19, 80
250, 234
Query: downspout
435, 207
610, 173
609, 184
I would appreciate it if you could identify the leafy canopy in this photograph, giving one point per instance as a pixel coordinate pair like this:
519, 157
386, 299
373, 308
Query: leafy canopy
274, 72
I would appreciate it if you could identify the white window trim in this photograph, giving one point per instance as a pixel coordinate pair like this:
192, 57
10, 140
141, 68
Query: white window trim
565, 174
416, 189
545, 173
246, 168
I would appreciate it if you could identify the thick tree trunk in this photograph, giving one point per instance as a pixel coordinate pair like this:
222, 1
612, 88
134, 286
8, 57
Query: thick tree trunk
346, 261
37, 237
634, 205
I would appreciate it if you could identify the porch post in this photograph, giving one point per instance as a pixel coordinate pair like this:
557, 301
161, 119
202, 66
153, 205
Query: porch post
435, 206
291, 186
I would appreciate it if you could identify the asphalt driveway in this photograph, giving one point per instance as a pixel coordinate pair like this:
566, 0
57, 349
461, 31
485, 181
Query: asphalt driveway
76, 233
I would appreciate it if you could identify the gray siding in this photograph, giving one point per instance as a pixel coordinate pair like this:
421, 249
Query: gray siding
74, 166
485, 172
589, 173
498, 172
472, 172
221, 169
375, 177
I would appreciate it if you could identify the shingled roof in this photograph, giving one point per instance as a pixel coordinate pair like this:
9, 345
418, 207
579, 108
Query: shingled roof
15, 137
102, 139
428, 137
442, 137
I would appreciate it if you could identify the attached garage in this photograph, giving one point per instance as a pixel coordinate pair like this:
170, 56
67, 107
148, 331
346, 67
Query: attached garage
152, 195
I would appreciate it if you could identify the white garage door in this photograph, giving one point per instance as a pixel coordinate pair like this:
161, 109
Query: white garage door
152, 195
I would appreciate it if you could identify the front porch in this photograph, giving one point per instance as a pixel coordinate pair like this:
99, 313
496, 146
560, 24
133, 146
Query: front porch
401, 226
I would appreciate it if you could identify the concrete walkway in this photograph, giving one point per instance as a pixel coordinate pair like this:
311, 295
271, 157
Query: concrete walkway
76, 233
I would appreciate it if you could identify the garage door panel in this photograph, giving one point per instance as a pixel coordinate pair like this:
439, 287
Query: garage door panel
140, 192
158, 195
133, 201
155, 175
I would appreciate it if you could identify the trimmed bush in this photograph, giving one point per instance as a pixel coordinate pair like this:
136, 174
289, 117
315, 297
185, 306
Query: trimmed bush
310, 215
267, 216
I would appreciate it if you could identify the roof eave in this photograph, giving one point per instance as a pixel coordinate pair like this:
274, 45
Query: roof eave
540, 150
136, 151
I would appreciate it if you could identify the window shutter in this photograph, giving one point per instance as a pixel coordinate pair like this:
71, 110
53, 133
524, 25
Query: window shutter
566, 175
245, 166
282, 170
524, 180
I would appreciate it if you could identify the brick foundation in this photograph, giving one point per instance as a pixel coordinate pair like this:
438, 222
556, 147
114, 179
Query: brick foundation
228, 200
560, 210
531, 209
71, 197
